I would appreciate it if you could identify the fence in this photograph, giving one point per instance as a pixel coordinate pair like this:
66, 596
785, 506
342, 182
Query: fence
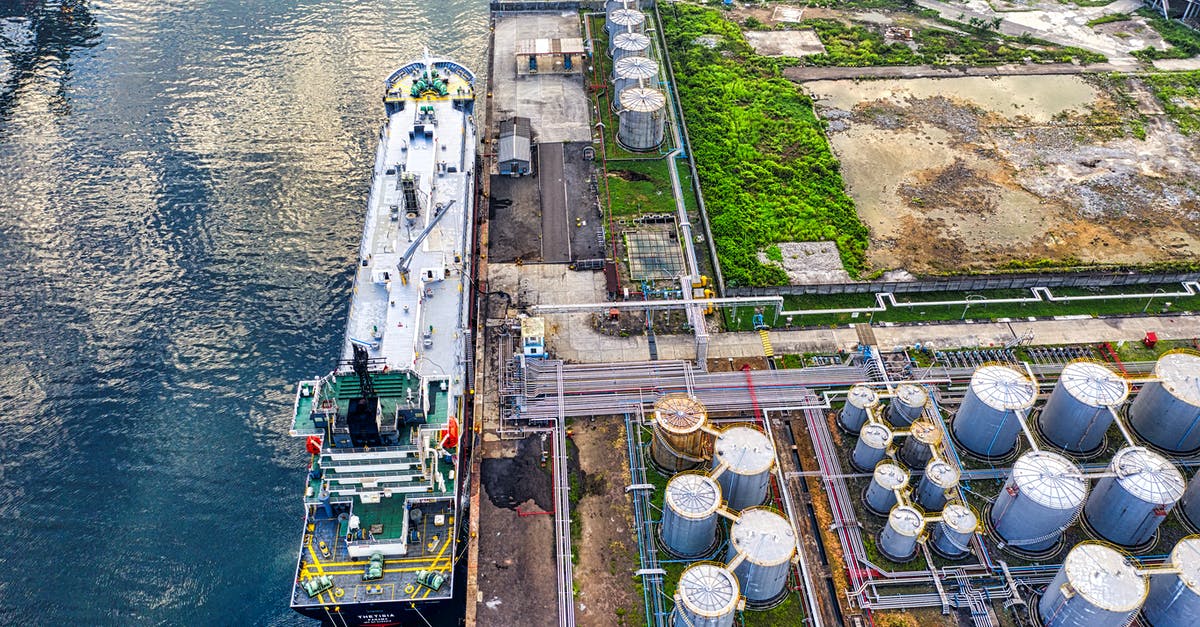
972, 283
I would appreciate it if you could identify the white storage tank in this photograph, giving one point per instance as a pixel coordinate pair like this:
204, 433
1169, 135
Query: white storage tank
1128, 506
689, 522
873, 441
860, 400
1174, 598
880, 495
1167, 412
632, 72
708, 595
1189, 504
898, 538
986, 423
907, 405
940, 477
1042, 496
617, 5
642, 119
1076, 416
765, 541
951, 536
625, 20
628, 44
678, 442
742, 461
923, 438
1095, 587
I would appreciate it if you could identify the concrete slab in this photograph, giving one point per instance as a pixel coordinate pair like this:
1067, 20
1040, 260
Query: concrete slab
552, 185
556, 104
784, 43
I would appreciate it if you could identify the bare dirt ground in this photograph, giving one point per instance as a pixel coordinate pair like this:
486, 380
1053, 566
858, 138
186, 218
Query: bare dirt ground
784, 43
607, 549
516, 553
976, 173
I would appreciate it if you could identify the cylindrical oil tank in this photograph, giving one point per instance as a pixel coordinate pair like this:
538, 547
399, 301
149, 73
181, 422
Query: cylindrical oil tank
940, 477
1076, 415
642, 119
898, 538
766, 541
747, 456
689, 521
986, 423
859, 402
1127, 506
907, 405
923, 438
628, 44
707, 596
1042, 496
625, 20
678, 442
1096, 586
873, 441
1189, 504
631, 72
951, 536
1174, 598
1167, 412
880, 495
617, 5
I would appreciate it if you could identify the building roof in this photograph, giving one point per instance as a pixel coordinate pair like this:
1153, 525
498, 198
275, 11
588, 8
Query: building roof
567, 45
514, 144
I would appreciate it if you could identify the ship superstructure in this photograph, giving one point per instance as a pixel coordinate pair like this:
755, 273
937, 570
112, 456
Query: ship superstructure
382, 493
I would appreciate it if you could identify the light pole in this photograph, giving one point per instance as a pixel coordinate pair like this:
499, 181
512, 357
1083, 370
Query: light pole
1151, 299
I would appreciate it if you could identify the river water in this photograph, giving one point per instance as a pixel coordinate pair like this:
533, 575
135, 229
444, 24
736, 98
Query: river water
181, 189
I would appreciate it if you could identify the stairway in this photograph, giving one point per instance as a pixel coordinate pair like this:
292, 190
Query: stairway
766, 342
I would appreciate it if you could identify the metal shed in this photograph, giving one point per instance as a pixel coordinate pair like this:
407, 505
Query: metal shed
513, 149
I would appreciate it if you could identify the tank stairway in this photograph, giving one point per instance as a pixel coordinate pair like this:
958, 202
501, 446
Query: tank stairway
765, 336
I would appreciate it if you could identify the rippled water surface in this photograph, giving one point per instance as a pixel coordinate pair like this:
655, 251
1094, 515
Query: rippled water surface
181, 187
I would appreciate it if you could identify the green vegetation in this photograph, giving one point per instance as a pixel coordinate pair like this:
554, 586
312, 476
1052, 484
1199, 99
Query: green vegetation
857, 46
1184, 41
741, 318
1179, 93
1088, 3
638, 186
1108, 19
767, 171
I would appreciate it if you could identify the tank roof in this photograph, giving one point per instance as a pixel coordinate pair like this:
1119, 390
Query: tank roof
876, 435
627, 17
709, 590
960, 518
1148, 475
1094, 384
635, 67
911, 394
1105, 577
862, 397
631, 41
1180, 374
890, 476
1186, 557
746, 450
693, 495
679, 413
642, 100
925, 431
906, 520
764, 536
1002, 387
942, 473
1049, 479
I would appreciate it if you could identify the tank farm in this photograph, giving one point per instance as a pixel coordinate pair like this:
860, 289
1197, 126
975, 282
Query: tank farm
1064, 489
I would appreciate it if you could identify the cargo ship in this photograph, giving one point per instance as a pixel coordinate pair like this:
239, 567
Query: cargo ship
384, 491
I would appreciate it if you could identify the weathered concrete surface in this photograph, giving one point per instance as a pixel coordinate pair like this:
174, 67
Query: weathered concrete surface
555, 103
